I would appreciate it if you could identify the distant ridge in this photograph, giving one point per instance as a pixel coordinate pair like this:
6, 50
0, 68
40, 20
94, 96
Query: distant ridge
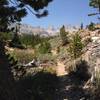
50, 31
28, 29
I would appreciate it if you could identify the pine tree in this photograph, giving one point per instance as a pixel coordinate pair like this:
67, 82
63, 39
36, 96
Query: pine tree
82, 26
16, 42
91, 26
12, 11
63, 35
95, 4
75, 46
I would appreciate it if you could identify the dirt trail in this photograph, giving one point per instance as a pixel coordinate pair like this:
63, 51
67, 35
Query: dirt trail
60, 69
71, 86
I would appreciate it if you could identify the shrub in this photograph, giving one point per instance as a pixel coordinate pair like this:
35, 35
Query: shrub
43, 48
45, 57
75, 46
23, 56
15, 42
91, 26
30, 40
75, 49
6, 36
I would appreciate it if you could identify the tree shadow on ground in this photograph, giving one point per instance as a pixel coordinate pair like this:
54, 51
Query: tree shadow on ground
41, 86
47, 86
71, 87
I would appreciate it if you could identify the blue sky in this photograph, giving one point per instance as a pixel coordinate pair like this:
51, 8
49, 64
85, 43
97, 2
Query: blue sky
64, 12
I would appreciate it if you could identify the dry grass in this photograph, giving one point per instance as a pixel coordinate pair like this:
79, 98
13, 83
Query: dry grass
23, 56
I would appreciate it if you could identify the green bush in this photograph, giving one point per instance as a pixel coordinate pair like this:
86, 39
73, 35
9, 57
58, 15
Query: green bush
43, 48
30, 40
75, 46
91, 26
15, 42
43, 57
6, 36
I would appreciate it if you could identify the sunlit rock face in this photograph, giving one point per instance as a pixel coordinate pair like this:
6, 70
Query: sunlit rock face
92, 56
92, 52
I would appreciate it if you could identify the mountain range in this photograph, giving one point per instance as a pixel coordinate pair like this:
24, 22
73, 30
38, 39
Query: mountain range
50, 31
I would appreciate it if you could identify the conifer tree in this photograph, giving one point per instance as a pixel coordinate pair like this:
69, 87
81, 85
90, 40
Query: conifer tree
16, 39
95, 4
63, 35
91, 26
75, 48
82, 26
12, 11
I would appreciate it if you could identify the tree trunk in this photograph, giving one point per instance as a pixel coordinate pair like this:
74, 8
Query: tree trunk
7, 91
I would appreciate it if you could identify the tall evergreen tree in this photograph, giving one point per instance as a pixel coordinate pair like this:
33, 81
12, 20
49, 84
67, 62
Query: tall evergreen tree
63, 35
12, 11
16, 39
82, 26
